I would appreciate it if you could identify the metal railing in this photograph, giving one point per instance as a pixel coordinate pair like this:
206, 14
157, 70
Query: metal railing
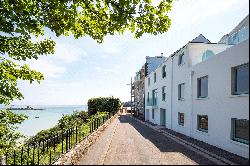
47, 151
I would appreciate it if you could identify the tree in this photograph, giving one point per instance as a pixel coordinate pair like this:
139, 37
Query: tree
8, 136
20, 20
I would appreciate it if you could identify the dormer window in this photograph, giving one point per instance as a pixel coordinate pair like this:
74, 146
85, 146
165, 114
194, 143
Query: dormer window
181, 59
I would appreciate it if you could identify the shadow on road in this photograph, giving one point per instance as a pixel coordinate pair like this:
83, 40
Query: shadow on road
163, 143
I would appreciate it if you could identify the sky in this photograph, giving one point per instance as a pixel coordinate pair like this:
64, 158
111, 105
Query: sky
81, 68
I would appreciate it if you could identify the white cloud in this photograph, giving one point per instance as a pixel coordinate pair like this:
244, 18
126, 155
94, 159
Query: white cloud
48, 68
69, 53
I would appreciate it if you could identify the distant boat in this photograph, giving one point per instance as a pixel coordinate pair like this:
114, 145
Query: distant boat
36, 116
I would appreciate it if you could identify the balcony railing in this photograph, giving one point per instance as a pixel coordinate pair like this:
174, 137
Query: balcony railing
152, 102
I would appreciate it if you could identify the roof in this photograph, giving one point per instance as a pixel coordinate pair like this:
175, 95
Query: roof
200, 39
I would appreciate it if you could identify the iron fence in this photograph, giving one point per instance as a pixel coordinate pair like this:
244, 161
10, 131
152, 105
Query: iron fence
47, 151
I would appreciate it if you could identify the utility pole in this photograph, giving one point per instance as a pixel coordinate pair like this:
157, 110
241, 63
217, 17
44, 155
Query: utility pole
131, 99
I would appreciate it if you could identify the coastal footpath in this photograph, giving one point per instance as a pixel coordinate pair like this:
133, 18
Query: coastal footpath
126, 141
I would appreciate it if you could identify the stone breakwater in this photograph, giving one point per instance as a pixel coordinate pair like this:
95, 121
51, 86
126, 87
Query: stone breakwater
77, 152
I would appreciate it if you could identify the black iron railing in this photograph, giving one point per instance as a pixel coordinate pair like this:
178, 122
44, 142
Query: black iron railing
46, 151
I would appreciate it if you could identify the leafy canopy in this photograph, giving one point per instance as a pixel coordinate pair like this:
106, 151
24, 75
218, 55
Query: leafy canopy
8, 136
22, 19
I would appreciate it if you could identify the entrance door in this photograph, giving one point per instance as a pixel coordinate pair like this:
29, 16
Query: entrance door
147, 114
162, 117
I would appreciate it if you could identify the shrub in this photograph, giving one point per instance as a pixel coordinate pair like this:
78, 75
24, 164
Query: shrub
103, 104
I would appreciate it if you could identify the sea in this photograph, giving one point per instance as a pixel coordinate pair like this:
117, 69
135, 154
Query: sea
43, 119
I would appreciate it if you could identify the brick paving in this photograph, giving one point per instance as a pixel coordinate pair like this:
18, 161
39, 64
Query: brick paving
129, 142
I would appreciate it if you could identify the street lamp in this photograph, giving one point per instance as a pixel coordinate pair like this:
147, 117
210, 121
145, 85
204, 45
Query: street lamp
131, 95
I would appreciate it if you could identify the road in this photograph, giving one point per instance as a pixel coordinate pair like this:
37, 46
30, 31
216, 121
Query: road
128, 142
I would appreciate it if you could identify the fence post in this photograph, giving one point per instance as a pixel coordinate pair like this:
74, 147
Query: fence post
47, 145
22, 156
66, 140
69, 138
38, 157
54, 141
14, 157
62, 143
50, 157
33, 158
43, 146
76, 134
28, 154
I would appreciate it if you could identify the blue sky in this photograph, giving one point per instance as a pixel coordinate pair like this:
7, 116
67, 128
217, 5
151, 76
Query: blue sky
81, 68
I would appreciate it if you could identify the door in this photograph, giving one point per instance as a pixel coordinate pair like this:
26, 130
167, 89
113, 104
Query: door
162, 117
147, 114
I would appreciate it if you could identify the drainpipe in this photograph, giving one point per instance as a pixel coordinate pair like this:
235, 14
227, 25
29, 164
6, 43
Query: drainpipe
191, 112
172, 92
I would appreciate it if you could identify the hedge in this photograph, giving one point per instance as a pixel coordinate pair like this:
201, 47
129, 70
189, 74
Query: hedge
103, 104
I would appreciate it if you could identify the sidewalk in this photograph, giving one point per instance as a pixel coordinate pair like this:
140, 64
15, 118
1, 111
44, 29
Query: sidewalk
209, 150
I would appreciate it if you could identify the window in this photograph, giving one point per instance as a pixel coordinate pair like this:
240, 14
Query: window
153, 113
202, 123
154, 77
181, 88
207, 54
148, 81
240, 130
202, 88
163, 93
181, 118
154, 96
181, 59
240, 79
164, 71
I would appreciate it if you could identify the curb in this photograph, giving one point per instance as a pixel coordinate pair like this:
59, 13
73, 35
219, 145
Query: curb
211, 156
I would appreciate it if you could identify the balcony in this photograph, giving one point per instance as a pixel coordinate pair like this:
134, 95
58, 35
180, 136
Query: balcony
152, 102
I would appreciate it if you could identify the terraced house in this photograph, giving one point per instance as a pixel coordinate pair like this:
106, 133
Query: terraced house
202, 91
138, 84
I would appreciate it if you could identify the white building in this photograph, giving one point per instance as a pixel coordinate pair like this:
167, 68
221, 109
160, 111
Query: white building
202, 90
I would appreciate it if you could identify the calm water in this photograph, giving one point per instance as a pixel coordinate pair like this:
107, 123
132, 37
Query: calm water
47, 118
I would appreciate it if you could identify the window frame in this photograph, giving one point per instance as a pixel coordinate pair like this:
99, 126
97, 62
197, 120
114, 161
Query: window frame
154, 77
164, 71
148, 81
234, 79
181, 95
198, 123
179, 118
163, 94
199, 87
181, 59
233, 132
153, 114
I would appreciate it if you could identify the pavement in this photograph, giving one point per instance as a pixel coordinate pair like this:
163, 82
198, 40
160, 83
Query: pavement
128, 142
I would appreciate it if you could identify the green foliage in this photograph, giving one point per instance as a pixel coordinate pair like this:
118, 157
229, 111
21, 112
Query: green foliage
8, 135
23, 19
103, 104
77, 118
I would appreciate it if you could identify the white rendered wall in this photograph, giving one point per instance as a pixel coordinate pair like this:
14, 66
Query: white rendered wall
221, 106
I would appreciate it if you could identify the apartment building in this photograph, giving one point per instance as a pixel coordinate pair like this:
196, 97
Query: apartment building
138, 84
202, 90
